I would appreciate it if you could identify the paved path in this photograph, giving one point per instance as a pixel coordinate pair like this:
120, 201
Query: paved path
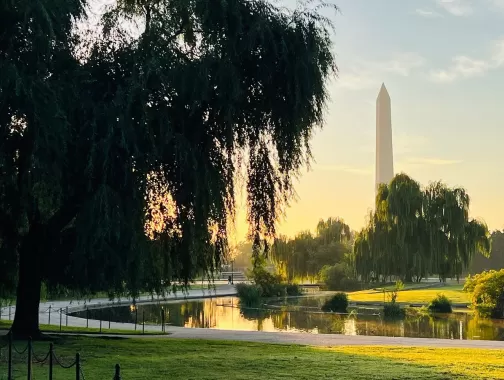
248, 336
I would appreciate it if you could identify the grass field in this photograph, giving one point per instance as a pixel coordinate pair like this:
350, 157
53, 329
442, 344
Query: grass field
453, 292
5, 325
199, 359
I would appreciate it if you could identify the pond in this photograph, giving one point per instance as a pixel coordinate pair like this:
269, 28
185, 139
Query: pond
301, 315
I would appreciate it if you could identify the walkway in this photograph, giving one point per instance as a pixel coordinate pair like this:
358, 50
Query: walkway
326, 340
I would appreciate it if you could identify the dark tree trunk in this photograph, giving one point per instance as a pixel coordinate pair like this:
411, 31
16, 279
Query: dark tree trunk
26, 318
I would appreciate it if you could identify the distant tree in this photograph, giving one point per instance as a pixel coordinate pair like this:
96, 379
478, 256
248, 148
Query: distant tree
495, 261
415, 232
100, 133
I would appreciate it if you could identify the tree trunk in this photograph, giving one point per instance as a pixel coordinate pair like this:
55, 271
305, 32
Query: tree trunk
26, 318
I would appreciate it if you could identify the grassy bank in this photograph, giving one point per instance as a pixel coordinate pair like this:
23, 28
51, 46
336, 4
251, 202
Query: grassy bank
453, 292
5, 325
195, 359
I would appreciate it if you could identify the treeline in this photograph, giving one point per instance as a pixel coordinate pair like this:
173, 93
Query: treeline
495, 261
307, 254
417, 232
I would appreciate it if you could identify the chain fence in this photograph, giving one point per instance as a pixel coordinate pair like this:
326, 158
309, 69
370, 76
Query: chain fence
11, 353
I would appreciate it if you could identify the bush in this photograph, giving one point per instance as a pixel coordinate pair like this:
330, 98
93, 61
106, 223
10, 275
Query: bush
392, 310
249, 294
487, 290
293, 290
440, 304
337, 303
337, 277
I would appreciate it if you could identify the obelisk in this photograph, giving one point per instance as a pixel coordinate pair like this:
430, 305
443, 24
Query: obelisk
384, 152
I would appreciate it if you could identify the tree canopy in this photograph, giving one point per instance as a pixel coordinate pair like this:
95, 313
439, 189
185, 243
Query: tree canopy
306, 254
414, 232
105, 133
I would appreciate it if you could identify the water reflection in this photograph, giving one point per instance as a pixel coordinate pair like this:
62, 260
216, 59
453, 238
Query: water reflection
302, 315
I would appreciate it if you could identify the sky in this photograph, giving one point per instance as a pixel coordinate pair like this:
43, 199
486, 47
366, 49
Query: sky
443, 65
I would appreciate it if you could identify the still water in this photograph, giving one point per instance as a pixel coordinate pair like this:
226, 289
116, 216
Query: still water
302, 315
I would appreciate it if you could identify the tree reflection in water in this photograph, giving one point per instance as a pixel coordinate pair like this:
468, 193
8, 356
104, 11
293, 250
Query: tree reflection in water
303, 315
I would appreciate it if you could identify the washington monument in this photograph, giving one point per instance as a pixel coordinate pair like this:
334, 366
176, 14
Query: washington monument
384, 153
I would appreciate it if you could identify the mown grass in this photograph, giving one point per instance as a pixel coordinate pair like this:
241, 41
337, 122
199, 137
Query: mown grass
5, 325
172, 359
453, 292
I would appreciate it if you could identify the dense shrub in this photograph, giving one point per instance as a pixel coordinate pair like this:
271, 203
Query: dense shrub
392, 310
293, 290
337, 303
338, 277
487, 289
249, 294
440, 304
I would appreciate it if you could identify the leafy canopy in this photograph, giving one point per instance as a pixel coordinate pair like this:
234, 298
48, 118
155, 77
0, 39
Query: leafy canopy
103, 134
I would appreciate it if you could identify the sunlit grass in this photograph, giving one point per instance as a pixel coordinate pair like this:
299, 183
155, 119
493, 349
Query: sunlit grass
472, 363
453, 292
200, 359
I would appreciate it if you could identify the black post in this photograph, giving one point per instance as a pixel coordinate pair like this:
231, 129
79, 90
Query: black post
117, 375
10, 312
61, 317
29, 359
232, 272
51, 354
87, 318
162, 319
143, 322
100, 325
109, 323
77, 366
49, 315
136, 317
9, 373
66, 313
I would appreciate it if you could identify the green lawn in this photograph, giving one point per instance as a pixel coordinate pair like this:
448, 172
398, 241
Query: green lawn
171, 359
5, 325
453, 292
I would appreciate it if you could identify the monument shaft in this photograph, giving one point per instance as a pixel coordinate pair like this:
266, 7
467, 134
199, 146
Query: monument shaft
384, 151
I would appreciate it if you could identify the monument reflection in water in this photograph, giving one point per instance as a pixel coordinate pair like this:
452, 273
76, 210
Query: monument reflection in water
303, 315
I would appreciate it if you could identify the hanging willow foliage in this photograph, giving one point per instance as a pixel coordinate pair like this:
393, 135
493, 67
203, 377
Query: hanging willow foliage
97, 129
415, 232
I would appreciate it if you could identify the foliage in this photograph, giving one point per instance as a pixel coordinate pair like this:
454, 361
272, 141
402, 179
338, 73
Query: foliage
306, 254
337, 303
391, 309
338, 277
487, 293
120, 148
440, 304
495, 260
414, 232
249, 294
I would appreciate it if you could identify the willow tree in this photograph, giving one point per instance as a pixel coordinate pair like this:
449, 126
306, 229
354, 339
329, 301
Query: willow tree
94, 128
414, 232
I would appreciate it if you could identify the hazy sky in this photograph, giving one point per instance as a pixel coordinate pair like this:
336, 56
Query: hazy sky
443, 64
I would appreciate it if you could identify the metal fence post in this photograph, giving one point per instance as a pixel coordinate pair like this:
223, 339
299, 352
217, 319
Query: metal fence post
143, 322
100, 325
51, 354
162, 319
117, 375
10, 306
77, 366
136, 317
61, 317
9, 371
49, 315
87, 318
29, 359
66, 315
